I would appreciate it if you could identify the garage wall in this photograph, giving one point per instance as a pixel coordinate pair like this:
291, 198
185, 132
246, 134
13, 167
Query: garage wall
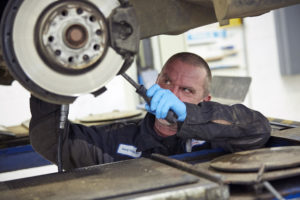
273, 94
14, 104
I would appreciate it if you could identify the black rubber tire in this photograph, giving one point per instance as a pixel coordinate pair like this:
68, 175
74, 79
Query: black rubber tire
5, 77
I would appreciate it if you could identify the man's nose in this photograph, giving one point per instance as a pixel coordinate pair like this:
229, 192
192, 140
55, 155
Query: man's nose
175, 91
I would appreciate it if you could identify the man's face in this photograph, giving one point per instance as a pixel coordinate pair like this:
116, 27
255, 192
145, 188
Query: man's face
184, 80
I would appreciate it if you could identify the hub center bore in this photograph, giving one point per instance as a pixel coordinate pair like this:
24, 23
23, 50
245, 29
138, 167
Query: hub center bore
76, 36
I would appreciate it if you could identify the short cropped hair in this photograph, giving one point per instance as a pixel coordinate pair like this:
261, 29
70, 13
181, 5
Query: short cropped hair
195, 60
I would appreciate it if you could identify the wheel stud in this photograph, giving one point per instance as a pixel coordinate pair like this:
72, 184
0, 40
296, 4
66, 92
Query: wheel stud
79, 11
57, 52
86, 57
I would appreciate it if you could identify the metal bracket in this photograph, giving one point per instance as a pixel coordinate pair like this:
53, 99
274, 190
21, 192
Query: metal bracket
124, 30
124, 33
261, 184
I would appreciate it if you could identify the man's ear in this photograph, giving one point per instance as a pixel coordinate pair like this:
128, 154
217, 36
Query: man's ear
207, 98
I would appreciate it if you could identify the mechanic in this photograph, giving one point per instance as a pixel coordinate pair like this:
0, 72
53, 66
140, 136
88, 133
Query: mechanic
183, 86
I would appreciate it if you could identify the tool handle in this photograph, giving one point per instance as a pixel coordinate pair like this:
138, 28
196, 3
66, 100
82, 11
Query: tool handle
171, 116
142, 92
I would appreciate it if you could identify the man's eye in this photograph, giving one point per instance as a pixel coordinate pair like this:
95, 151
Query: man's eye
168, 82
187, 90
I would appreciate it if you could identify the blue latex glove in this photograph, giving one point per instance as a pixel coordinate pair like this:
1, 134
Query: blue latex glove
162, 101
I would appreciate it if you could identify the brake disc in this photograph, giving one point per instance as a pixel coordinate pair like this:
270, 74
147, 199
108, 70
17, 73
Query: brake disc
59, 50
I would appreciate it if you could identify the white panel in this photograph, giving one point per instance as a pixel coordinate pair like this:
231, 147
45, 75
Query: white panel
272, 94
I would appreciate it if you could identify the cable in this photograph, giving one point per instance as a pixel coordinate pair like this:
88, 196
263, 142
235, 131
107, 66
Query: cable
64, 111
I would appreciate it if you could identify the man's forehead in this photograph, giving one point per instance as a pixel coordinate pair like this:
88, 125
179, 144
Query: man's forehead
188, 77
184, 69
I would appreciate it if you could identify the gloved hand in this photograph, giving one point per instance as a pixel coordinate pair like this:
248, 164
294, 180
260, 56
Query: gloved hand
162, 101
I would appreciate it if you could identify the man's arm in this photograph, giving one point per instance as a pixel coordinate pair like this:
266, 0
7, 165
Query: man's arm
233, 128
81, 145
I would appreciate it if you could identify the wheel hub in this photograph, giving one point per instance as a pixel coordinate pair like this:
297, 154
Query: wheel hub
76, 36
71, 36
